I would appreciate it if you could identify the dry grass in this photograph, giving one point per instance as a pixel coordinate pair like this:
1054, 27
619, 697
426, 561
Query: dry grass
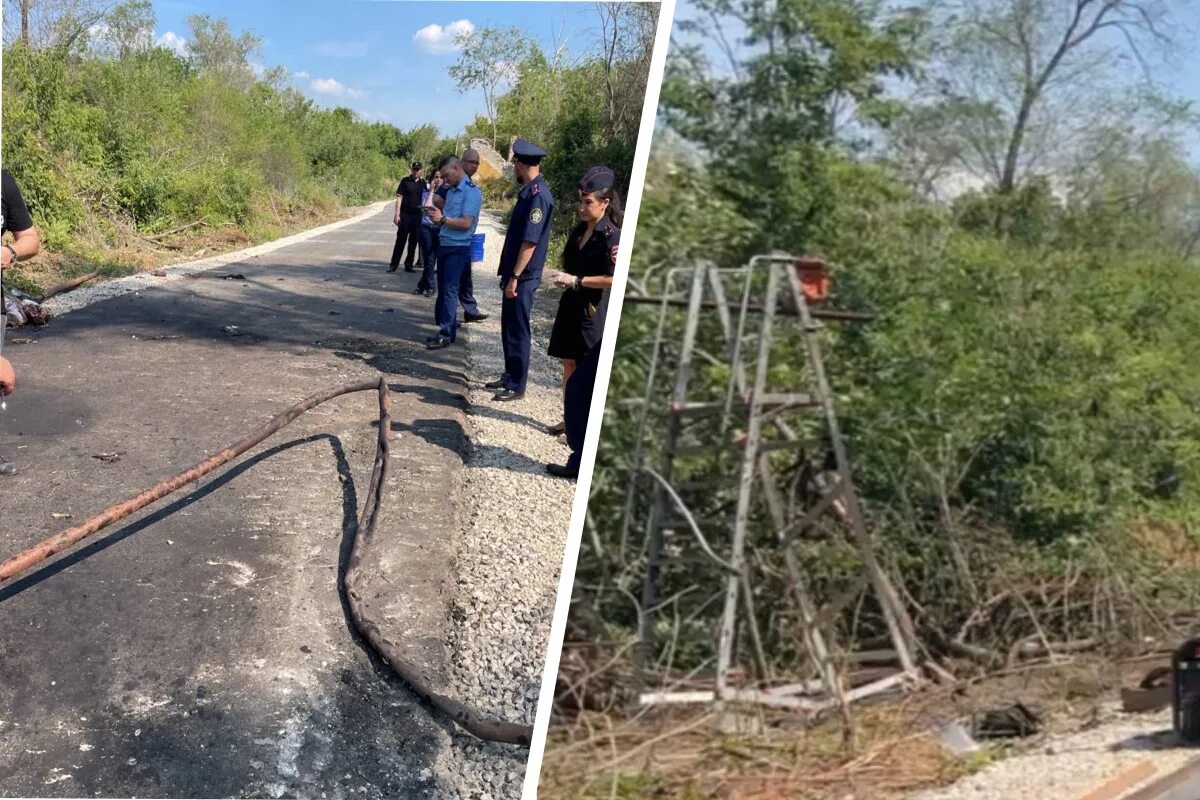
682, 753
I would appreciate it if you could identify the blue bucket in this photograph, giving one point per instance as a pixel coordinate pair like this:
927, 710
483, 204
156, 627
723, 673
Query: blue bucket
477, 247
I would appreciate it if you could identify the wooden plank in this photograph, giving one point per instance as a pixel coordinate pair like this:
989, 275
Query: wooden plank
1123, 781
1182, 784
1136, 701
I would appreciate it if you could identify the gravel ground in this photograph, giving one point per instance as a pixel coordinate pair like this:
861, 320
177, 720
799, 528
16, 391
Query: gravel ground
511, 551
1069, 766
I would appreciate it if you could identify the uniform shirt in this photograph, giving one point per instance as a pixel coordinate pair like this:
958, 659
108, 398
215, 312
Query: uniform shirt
464, 200
597, 257
14, 214
530, 223
409, 191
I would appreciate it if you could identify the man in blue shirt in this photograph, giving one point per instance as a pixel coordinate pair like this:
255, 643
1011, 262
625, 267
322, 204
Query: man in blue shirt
521, 263
466, 289
457, 218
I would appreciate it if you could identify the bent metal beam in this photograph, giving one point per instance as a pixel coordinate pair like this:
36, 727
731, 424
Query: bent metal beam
415, 677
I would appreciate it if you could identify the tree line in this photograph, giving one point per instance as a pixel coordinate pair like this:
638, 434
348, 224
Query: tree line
119, 143
1006, 186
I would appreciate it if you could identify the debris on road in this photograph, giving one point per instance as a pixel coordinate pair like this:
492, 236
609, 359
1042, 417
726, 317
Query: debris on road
21, 309
1015, 721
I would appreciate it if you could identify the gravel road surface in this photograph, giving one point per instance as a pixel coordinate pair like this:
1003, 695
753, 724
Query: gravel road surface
1069, 766
200, 648
511, 551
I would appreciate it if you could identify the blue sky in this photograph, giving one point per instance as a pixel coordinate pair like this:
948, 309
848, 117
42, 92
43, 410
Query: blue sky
369, 57
1180, 77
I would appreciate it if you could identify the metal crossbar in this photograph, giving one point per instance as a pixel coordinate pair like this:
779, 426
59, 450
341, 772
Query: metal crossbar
758, 438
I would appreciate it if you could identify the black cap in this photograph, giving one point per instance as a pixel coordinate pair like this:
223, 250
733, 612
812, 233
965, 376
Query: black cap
527, 152
415, 165
597, 179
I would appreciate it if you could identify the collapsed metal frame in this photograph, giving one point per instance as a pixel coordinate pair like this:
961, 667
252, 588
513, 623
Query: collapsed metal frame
746, 399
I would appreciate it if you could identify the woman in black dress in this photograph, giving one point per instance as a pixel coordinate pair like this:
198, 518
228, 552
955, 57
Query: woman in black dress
588, 262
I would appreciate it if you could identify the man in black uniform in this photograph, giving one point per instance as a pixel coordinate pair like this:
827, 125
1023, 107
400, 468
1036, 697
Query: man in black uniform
521, 263
407, 217
14, 219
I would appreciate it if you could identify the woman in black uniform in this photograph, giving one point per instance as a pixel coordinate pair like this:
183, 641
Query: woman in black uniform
588, 263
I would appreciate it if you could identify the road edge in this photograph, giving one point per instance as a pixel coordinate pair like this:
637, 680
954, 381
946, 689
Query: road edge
116, 287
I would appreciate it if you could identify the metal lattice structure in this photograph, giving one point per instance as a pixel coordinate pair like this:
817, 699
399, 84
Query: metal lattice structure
771, 433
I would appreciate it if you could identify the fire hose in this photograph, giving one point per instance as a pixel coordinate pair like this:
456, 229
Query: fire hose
417, 678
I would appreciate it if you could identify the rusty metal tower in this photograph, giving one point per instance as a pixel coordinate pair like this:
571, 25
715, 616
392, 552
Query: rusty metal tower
761, 426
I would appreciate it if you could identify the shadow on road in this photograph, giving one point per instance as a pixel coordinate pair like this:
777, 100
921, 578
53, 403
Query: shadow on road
75, 556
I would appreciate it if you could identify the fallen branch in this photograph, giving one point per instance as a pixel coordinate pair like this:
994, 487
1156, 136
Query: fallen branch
67, 286
173, 231
418, 679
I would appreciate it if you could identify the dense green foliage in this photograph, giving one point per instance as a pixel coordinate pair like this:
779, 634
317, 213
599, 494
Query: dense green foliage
1028, 389
149, 142
117, 142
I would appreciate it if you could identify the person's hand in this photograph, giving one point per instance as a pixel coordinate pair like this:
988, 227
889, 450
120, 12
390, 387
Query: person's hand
435, 215
564, 280
6, 257
510, 291
8, 378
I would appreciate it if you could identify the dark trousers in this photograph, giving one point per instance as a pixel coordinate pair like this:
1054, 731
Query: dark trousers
429, 239
515, 333
407, 233
451, 263
578, 402
466, 293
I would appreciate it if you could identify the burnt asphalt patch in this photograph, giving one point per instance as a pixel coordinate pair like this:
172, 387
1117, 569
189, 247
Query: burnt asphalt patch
200, 648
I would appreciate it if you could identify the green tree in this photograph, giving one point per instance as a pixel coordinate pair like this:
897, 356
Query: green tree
217, 52
489, 59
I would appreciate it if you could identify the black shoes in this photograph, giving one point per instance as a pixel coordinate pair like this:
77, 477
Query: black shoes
505, 395
562, 472
499, 383
429, 292
393, 268
474, 317
408, 268
558, 429
437, 342
419, 291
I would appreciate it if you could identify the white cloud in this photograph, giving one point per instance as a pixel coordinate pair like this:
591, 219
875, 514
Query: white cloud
334, 87
175, 42
301, 75
438, 39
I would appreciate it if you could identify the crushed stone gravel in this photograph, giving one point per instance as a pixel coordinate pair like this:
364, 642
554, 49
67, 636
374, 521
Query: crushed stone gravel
1070, 765
510, 555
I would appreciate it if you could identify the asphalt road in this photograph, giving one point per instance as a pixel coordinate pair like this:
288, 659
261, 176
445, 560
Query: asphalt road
200, 648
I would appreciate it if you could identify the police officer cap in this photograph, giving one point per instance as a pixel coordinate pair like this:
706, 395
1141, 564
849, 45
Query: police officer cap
415, 165
527, 152
597, 179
